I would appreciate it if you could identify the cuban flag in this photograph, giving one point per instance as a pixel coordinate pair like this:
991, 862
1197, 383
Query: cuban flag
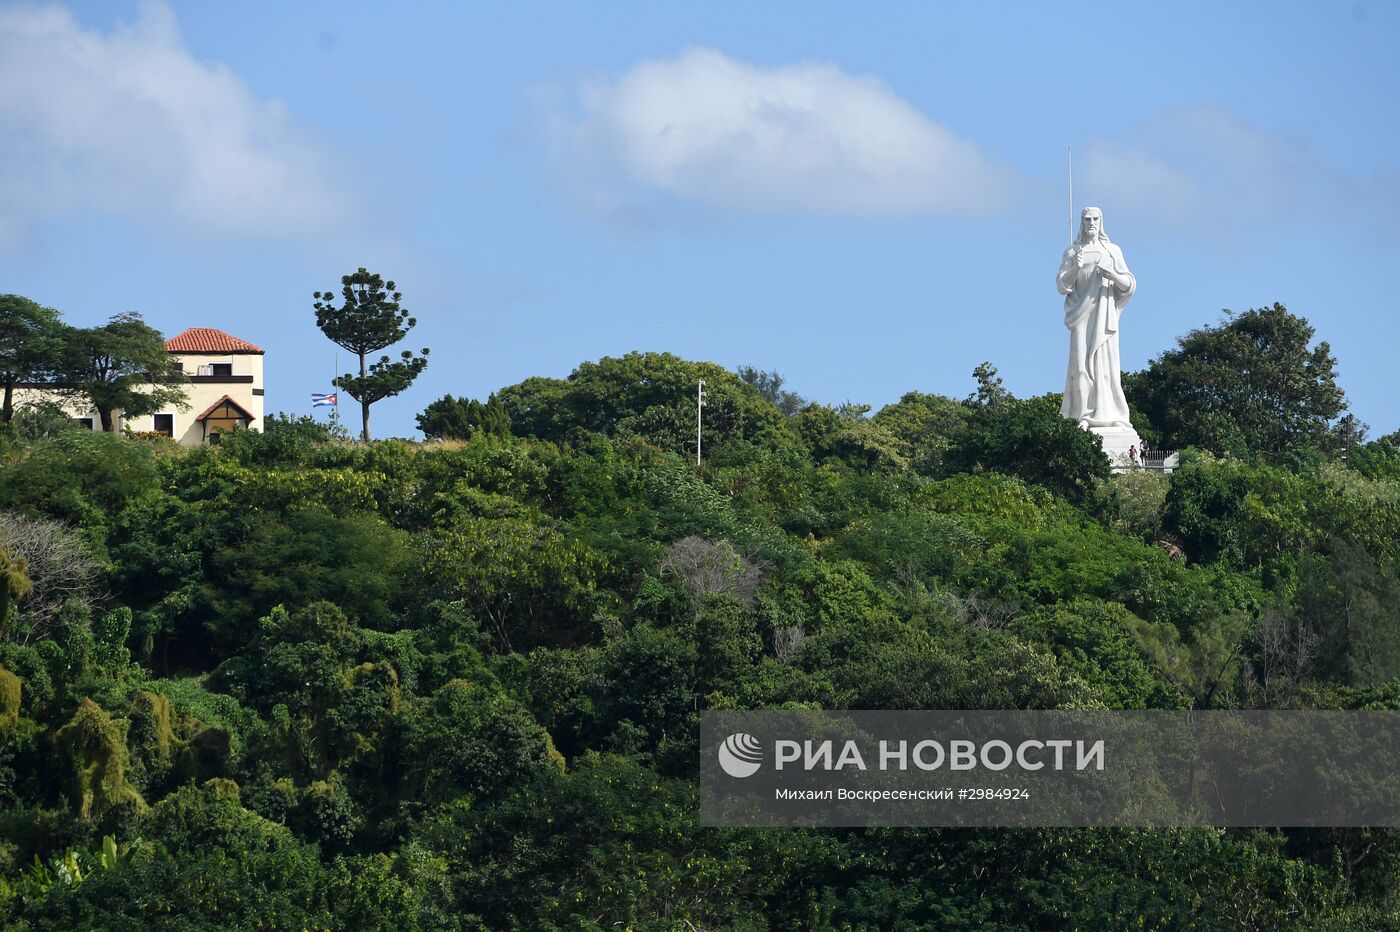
324, 401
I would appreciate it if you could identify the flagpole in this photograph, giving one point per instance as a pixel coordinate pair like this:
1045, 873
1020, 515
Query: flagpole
335, 392
1069, 152
699, 416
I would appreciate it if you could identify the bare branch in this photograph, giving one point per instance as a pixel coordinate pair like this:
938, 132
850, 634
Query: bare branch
61, 567
704, 568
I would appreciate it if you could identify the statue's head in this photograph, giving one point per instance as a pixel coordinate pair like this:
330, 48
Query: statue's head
1091, 225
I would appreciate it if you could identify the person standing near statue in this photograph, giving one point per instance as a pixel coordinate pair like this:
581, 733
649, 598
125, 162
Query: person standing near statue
1097, 285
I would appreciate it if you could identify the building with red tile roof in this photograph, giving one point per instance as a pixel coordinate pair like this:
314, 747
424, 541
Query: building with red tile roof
225, 389
209, 340
225, 373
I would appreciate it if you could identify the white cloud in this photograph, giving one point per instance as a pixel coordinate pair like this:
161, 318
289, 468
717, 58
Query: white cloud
1203, 167
706, 129
132, 124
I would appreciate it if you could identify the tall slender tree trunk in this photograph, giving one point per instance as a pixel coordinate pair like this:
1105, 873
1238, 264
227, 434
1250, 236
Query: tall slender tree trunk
364, 405
105, 416
7, 413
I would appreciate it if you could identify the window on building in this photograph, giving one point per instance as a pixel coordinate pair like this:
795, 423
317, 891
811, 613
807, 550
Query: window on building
84, 421
222, 368
176, 369
165, 425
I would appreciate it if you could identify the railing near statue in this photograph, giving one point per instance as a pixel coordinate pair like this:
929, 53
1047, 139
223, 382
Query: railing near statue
1158, 461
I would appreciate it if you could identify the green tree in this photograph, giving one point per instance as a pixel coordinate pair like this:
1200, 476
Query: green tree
30, 344
451, 418
532, 583
927, 424
990, 390
770, 386
1260, 516
1031, 440
298, 557
1355, 606
1379, 459
208, 862
79, 476
1250, 385
39, 420
846, 435
14, 584
121, 365
648, 395
369, 319
1096, 641
466, 739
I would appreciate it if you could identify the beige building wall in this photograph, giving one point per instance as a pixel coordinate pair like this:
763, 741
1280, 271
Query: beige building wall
243, 385
76, 409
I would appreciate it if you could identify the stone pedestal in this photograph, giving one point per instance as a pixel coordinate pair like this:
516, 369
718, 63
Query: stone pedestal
1117, 441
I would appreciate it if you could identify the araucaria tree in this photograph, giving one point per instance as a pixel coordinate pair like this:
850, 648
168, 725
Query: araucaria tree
369, 319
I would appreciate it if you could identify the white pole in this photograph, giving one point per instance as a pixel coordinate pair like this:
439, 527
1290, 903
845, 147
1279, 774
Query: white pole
699, 417
335, 411
1069, 151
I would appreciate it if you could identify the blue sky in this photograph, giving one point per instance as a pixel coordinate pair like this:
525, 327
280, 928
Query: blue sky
870, 200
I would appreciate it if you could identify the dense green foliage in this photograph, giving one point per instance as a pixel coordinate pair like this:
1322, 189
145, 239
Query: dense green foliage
31, 341
451, 418
1250, 385
120, 366
316, 684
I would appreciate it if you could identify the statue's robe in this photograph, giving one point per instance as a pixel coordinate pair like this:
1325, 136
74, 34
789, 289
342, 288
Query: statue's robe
1093, 379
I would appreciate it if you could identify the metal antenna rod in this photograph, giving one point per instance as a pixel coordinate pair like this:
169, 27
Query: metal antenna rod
699, 416
1069, 151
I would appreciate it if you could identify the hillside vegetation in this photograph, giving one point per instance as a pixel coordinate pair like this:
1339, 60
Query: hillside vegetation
294, 682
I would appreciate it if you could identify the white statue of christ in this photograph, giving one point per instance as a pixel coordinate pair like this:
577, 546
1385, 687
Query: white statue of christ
1096, 284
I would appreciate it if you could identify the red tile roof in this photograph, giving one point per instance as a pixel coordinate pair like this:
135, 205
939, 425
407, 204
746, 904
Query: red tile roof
215, 406
208, 340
